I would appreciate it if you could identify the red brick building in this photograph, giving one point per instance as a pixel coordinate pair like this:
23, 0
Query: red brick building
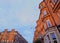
11, 37
48, 24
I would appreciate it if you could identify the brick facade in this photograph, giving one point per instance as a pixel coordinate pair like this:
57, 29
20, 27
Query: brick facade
48, 24
11, 37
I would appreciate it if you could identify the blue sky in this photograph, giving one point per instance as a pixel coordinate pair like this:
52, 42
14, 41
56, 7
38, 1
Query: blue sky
20, 15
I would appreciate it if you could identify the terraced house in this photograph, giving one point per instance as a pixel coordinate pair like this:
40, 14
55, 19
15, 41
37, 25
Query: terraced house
48, 24
11, 37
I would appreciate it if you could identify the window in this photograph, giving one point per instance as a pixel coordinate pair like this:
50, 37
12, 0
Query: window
54, 1
45, 26
42, 6
12, 41
39, 35
58, 28
48, 23
5, 41
45, 12
48, 37
51, 4
53, 37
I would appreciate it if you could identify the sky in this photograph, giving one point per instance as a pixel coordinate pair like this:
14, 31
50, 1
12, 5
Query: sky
20, 15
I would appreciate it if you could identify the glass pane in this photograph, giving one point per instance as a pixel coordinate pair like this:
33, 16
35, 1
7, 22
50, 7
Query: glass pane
55, 1
58, 28
45, 12
45, 26
48, 23
55, 41
48, 37
53, 36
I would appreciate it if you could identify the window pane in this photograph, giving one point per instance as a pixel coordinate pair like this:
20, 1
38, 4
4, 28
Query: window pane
53, 36
48, 37
55, 1
45, 12
48, 23
45, 25
58, 28
55, 41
